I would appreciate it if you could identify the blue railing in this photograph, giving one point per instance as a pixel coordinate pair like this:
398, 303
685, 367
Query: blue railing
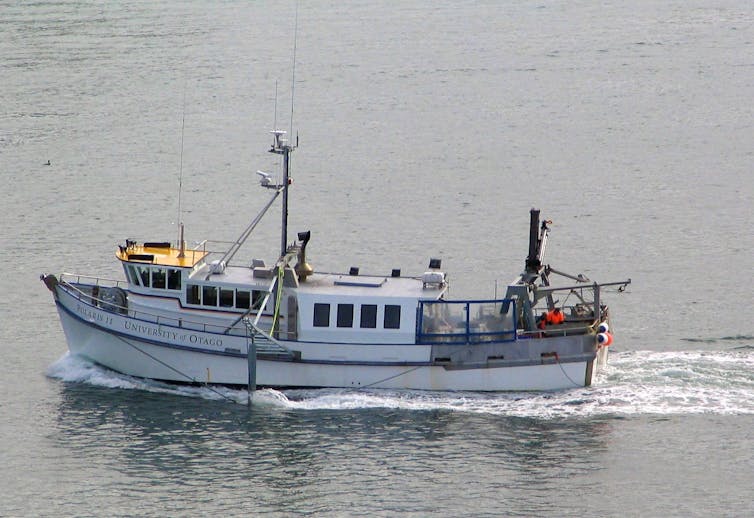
466, 321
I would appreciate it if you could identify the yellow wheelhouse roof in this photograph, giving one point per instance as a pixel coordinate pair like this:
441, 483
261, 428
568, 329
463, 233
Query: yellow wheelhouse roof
161, 254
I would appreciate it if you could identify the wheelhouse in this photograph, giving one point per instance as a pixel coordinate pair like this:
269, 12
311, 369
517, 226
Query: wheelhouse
158, 269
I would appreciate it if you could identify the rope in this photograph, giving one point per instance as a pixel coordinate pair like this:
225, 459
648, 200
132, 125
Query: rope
191, 379
557, 359
389, 378
410, 370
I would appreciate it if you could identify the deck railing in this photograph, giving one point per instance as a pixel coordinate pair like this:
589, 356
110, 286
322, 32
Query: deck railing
74, 278
92, 293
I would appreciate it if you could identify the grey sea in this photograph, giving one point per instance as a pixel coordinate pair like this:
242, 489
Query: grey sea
425, 129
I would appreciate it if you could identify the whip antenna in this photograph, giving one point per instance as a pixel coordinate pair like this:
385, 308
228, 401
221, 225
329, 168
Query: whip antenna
275, 117
293, 73
181, 242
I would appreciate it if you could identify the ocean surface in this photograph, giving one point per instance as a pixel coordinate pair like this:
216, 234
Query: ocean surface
425, 129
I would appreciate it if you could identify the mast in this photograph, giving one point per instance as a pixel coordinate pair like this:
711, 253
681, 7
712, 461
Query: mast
281, 147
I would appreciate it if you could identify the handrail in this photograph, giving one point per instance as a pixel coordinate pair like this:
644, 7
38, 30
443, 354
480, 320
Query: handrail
559, 329
551, 289
85, 298
269, 344
118, 283
466, 338
152, 318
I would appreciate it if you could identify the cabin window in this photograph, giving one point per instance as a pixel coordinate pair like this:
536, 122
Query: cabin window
226, 298
257, 297
209, 296
345, 315
242, 299
192, 294
133, 278
392, 317
158, 278
368, 316
174, 279
144, 274
321, 315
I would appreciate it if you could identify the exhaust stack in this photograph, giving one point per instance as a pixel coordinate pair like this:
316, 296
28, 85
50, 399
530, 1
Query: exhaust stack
303, 269
537, 243
532, 261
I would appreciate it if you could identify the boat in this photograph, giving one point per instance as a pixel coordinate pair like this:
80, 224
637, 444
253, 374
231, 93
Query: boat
199, 316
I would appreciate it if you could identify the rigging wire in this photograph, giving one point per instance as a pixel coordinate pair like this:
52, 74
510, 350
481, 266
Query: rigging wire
456, 353
168, 366
451, 356
370, 385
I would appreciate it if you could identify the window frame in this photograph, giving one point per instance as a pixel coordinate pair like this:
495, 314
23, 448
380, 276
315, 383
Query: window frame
225, 303
159, 276
194, 294
243, 295
366, 317
144, 275
133, 275
344, 315
390, 317
321, 309
174, 279
257, 296
206, 288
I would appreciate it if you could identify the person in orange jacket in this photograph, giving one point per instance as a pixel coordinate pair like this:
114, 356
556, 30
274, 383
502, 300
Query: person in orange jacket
555, 317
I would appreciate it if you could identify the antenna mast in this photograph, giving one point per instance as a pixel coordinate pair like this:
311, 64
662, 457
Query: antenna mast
280, 146
181, 241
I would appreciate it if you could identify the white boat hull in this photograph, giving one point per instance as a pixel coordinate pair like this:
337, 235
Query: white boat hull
148, 350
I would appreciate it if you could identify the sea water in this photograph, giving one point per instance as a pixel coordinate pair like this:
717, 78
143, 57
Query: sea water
425, 129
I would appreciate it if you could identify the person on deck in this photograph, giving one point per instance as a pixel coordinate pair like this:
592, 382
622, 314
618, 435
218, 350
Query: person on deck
541, 321
554, 317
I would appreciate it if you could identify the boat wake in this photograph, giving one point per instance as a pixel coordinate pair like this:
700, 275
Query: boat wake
635, 383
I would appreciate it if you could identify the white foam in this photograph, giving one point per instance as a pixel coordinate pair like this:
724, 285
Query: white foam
75, 369
79, 370
639, 382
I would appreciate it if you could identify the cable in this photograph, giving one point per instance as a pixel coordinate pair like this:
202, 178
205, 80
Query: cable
191, 379
411, 370
557, 359
389, 378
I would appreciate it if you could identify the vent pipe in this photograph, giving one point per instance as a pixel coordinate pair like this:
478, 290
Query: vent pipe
303, 269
